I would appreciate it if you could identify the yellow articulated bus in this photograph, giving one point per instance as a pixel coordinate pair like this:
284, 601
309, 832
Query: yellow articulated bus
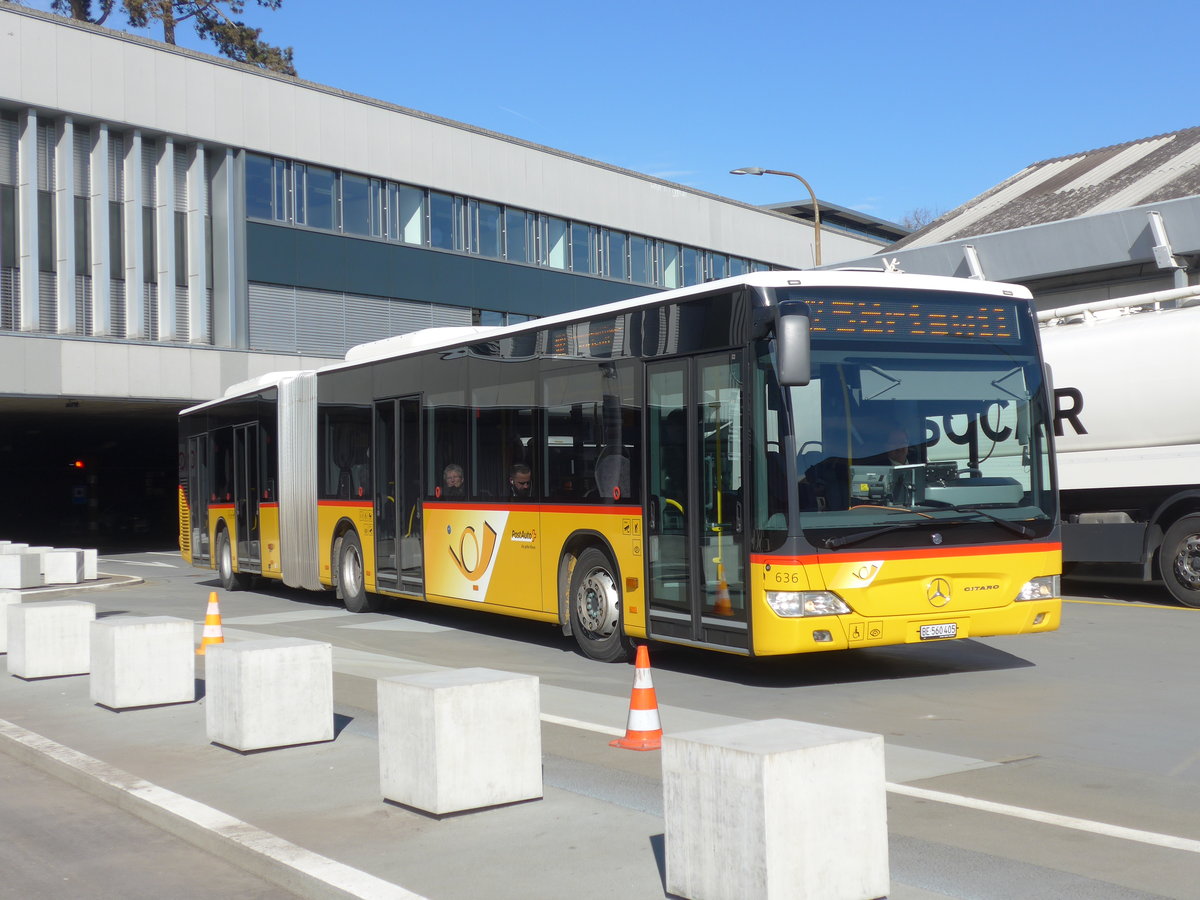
779, 463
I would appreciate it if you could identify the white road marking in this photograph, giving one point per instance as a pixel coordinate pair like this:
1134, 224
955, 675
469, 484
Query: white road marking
380, 665
280, 618
586, 726
134, 562
1047, 818
339, 876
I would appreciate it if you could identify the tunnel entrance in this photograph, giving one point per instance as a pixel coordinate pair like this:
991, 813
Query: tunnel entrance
89, 473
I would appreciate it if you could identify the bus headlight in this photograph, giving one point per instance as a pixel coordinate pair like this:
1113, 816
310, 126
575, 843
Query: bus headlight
806, 603
1044, 587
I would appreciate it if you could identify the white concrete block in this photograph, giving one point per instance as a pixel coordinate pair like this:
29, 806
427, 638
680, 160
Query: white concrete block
270, 693
19, 571
49, 638
775, 809
13, 547
62, 566
91, 563
142, 661
7, 599
459, 739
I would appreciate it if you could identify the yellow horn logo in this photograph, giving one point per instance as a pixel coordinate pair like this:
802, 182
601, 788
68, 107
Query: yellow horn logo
481, 557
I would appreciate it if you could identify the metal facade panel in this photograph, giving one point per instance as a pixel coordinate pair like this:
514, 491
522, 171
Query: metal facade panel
83, 153
8, 150
272, 317
320, 323
366, 319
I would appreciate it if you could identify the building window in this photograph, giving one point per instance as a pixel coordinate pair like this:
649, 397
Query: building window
667, 274
693, 266
297, 193
445, 221
616, 263
280, 190
258, 187
356, 204
585, 255
300, 189
552, 240
486, 228
520, 238
641, 259
319, 185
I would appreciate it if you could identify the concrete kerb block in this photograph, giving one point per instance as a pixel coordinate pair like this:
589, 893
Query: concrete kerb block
459, 739
49, 638
19, 571
775, 809
91, 562
142, 661
270, 693
7, 599
62, 566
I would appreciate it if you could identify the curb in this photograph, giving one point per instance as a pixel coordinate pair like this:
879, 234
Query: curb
108, 583
303, 872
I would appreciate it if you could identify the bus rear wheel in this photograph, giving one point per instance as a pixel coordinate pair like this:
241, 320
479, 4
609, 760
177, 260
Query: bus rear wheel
1179, 560
596, 619
351, 586
230, 580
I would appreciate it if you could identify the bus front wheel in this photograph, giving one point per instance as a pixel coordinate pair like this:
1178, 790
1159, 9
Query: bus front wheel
1179, 560
351, 586
230, 580
596, 619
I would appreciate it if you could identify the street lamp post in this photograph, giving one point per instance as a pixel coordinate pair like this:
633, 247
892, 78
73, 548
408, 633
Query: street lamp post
754, 170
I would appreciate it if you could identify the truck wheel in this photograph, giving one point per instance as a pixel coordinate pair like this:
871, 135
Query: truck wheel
350, 575
595, 602
1179, 560
230, 580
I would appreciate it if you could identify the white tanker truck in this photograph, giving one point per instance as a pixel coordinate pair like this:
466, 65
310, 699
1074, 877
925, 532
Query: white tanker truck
1127, 420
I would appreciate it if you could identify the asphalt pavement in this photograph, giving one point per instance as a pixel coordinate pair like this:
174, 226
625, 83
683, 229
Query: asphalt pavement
310, 820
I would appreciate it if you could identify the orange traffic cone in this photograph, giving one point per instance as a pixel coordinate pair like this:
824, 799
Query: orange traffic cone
212, 625
723, 607
643, 731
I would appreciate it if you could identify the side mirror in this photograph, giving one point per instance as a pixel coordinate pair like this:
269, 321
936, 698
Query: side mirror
793, 343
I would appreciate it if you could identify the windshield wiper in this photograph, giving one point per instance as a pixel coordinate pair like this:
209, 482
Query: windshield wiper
847, 539
1015, 527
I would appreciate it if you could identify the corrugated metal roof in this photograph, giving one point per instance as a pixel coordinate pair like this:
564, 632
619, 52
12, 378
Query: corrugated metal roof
1150, 170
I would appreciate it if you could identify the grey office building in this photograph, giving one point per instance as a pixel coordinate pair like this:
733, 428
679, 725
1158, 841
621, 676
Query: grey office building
172, 223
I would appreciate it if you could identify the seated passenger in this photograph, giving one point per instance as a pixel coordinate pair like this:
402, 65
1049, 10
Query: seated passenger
452, 481
520, 481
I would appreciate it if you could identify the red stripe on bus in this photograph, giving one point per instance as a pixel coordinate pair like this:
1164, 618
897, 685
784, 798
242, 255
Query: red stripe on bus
931, 553
220, 506
539, 507
357, 504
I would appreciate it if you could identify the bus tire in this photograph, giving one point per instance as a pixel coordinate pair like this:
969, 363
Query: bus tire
1179, 560
595, 602
230, 580
351, 586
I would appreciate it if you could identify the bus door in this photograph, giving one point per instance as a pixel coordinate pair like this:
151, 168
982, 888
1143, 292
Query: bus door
197, 495
398, 557
694, 517
246, 492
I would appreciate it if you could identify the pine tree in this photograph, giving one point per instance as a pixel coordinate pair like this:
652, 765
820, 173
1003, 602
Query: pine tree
214, 20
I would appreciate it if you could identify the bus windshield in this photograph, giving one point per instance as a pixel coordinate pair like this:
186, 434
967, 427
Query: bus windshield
892, 436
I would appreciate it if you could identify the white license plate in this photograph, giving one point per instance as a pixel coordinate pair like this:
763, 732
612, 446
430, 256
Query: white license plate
942, 630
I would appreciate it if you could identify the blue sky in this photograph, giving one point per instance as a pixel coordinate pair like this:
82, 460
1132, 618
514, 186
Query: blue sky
883, 107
